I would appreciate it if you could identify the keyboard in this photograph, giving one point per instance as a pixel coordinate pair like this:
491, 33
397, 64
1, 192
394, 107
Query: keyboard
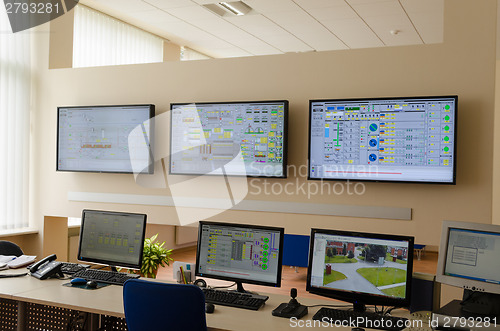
70, 268
234, 299
360, 319
105, 276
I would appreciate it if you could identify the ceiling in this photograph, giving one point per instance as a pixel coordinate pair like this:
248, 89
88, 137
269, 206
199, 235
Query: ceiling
283, 26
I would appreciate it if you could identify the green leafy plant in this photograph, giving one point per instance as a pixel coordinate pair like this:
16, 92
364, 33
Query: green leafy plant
154, 255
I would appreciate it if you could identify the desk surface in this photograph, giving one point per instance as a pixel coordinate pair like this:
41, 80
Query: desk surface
109, 301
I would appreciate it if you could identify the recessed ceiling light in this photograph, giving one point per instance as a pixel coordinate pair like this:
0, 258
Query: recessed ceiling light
233, 8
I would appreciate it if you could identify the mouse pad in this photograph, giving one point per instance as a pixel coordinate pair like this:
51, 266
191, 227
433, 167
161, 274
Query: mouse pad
85, 287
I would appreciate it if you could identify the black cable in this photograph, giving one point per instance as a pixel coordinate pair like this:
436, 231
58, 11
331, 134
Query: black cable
335, 306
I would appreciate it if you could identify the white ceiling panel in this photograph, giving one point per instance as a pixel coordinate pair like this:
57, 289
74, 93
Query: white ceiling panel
383, 25
155, 17
387, 8
167, 4
127, 6
271, 6
333, 13
429, 26
307, 29
282, 26
423, 6
315, 4
354, 32
192, 13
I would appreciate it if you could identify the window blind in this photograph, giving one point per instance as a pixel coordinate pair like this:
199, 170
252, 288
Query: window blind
100, 40
15, 83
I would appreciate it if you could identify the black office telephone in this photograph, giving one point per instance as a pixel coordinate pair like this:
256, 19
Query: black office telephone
45, 268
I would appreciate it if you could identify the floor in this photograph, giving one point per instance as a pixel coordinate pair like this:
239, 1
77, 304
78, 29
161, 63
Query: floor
290, 278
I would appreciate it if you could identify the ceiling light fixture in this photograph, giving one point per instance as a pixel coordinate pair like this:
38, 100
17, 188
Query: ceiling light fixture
227, 6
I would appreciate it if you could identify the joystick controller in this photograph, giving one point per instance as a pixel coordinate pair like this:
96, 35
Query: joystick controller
291, 309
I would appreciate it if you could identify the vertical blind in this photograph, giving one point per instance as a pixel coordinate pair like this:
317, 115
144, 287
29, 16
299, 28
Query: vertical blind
15, 83
188, 54
100, 40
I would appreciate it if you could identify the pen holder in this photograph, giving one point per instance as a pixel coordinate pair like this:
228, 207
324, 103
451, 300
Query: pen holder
187, 275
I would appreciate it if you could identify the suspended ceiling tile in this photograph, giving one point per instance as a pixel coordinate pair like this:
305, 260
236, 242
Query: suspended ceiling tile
192, 13
428, 18
333, 13
204, 2
167, 4
383, 25
354, 32
429, 26
155, 17
231, 52
307, 29
127, 6
386, 8
359, 2
271, 6
316, 4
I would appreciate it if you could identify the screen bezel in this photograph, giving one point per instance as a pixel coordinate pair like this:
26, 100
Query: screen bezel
465, 283
108, 262
359, 297
150, 135
452, 182
285, 137
281, 231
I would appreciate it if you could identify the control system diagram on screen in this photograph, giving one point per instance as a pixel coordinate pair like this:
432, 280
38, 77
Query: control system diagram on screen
206, 137
406, 140
239, 253
97, 139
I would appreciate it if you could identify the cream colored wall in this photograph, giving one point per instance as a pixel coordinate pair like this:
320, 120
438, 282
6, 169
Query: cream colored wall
496, 152
464, 64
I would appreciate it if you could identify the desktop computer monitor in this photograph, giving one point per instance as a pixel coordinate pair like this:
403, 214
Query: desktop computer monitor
468, 258
112, 238
240, 253
362, 268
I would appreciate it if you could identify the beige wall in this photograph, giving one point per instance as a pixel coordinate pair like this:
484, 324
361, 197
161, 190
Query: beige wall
464, 64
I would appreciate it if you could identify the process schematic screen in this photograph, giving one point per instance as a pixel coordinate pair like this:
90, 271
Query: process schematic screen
409, 140
247, 138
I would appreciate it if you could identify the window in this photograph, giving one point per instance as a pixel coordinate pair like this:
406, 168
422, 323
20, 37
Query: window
100, 40
188, 54
15, 82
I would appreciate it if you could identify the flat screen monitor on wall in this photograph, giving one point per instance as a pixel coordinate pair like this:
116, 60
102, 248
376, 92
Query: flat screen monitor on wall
384, 139
229, 138
114, 139
362, 268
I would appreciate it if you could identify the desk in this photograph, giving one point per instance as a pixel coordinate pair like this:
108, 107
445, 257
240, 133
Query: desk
32, 296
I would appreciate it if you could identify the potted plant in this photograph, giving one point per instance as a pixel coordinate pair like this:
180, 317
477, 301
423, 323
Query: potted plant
154, 255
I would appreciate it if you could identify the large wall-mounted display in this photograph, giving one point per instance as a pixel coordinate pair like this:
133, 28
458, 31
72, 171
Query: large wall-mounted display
230, 138
114, 139
384, 139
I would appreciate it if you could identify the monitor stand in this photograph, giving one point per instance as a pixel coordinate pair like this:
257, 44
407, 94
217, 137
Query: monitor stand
481, 303
239, 288
359, 307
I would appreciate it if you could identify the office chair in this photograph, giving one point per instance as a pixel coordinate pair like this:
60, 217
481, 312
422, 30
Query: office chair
162, 306
295, 250
9, 248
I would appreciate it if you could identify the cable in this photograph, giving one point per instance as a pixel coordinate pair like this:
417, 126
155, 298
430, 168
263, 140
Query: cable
335, 306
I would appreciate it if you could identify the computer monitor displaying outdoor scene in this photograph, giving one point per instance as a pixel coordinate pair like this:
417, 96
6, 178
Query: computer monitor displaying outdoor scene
229, 138
384, 139
241, 253
103, 139
363, 268
112, 238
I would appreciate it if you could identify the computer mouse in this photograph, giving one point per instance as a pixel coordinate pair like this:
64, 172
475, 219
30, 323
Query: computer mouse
78, 281
209, 308
91, 284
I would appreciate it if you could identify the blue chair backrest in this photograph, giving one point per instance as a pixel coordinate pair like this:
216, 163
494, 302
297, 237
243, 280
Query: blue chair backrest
295, 250
152, 305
